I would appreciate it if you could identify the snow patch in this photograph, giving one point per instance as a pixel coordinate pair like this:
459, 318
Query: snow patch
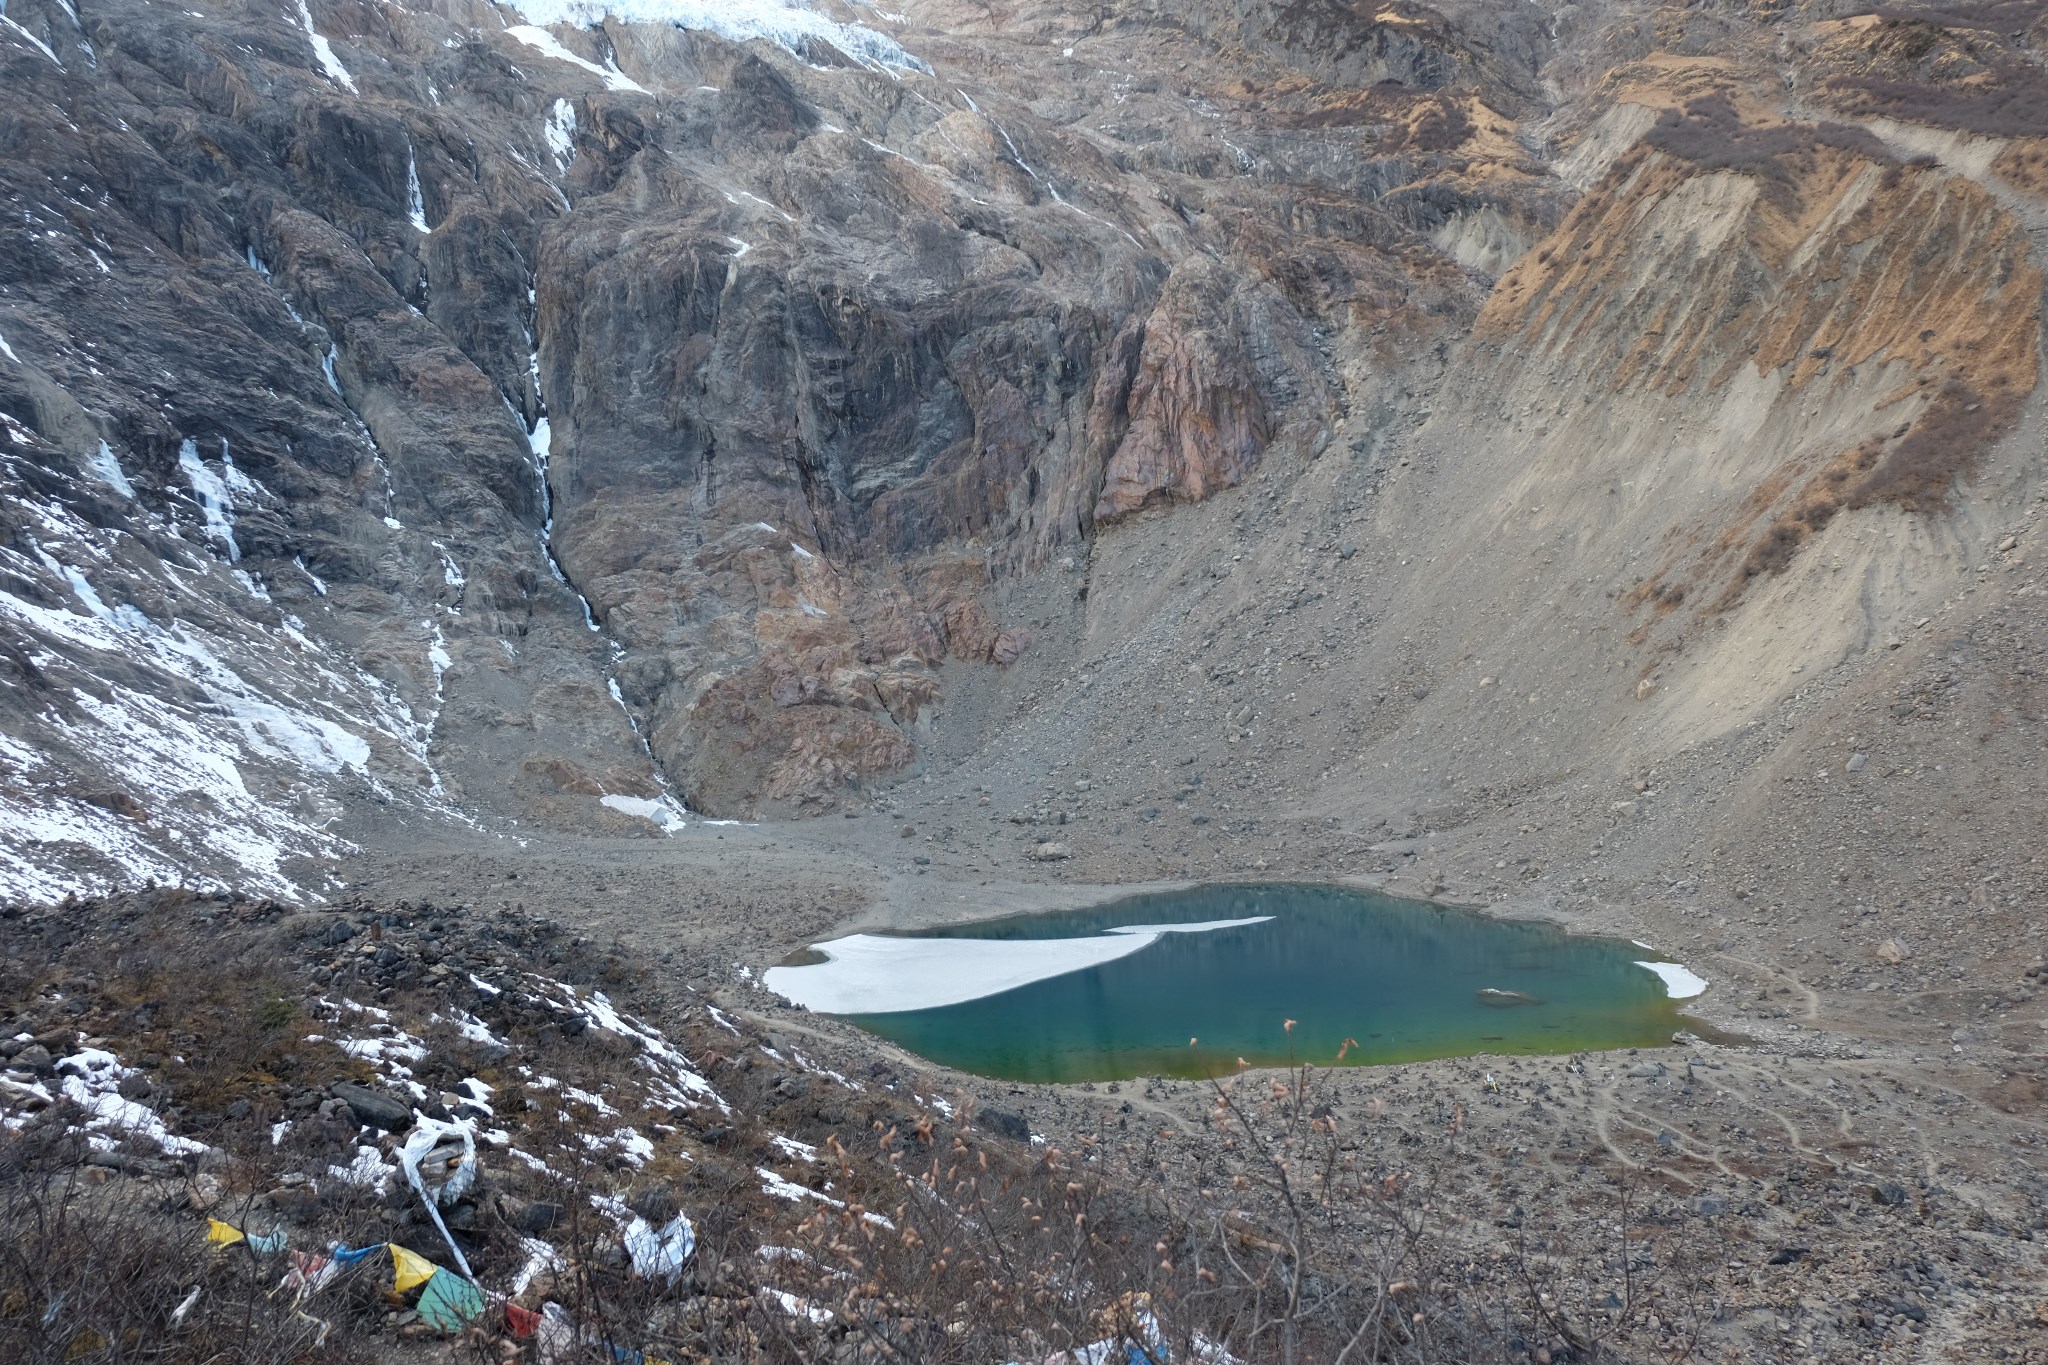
662, 811
1680, 983
41, 47
545, 43
560, 132
92, 1078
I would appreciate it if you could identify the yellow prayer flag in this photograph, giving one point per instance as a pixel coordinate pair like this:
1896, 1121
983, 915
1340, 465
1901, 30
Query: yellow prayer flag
408, 1270
220, 1234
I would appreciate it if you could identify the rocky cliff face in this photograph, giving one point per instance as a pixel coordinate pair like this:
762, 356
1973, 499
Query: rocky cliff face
442, 409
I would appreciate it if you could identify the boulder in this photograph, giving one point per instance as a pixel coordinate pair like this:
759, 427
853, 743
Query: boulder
372, 1108
1004, 1123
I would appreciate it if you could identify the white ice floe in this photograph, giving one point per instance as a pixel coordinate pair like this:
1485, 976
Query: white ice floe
1680, 983
789, 24
874, 974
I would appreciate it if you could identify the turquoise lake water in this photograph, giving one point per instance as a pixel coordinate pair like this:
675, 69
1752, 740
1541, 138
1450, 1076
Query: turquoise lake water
1402, 978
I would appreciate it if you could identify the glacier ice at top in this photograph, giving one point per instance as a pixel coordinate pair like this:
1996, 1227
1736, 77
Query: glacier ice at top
788, 24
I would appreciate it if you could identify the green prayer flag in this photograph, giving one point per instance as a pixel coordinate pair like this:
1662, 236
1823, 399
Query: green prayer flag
449, 1303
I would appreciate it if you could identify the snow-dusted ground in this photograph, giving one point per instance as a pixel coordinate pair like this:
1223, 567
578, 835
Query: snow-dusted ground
872, 974
183, 725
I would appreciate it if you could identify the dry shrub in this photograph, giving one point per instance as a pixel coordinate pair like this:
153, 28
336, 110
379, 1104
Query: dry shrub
1712, 135
94, 1270
2015, 109
1920, 469
1916, 470
1998, 16
1953, 66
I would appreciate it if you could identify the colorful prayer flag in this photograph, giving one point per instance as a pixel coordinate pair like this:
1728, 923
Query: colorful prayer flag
449, 1303
521, 1322
408, 1269
310, 1273
221, 1234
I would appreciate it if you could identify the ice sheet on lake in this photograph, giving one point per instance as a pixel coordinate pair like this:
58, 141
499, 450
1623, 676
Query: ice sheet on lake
1680, 983
873, 974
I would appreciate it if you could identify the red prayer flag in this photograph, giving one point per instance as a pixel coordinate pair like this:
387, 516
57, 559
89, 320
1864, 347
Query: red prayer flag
521, 1322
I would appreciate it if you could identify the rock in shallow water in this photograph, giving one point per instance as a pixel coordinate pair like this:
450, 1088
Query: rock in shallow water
1489, 995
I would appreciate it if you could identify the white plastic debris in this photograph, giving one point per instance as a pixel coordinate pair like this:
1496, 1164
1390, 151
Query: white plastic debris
661, 1253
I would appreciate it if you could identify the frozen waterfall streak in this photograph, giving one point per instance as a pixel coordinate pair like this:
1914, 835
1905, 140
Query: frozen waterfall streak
539, 440
1029, 170
333, 382
363, 430
415, 201
437, 654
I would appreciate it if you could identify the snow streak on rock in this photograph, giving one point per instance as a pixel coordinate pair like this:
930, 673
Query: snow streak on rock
547, 45
561, 133
323, 52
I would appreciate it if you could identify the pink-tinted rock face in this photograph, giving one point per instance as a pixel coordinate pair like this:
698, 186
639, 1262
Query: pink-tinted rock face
1197, 418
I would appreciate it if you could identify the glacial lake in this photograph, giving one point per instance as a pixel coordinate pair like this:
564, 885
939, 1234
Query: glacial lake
1118, 990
